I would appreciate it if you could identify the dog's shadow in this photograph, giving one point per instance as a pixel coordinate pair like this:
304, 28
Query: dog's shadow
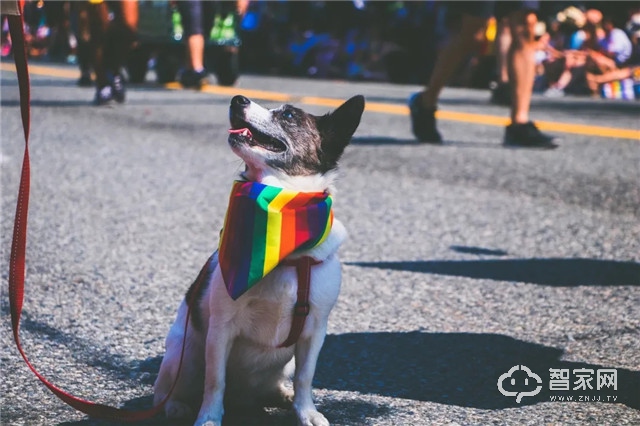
338, 412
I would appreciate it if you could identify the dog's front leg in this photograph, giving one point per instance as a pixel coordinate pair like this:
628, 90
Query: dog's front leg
307, 351
218, 346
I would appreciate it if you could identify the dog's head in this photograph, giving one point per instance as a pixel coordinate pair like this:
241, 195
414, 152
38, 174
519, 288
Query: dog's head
289, 146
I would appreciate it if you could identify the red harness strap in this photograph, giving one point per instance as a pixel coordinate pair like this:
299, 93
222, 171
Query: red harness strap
301, 309
18, 252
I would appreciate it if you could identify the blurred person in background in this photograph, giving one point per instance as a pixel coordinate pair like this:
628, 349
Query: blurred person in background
564, 55
517, 41
106, 44
596, 49
629, 69
612, 50
197, 21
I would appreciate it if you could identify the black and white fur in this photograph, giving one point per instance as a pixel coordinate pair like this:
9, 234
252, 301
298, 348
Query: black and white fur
231, 355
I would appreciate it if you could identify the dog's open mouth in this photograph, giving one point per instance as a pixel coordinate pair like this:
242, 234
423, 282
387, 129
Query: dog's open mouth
244, 132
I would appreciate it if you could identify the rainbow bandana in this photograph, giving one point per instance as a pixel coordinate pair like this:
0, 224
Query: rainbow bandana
264, 224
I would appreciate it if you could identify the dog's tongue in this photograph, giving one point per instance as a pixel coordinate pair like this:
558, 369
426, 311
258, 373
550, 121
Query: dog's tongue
244, 132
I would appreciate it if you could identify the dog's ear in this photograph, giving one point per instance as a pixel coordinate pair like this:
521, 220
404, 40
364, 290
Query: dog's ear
346, 117
337, 128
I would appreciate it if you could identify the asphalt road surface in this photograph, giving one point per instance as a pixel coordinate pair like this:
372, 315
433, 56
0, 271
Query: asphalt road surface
464, 260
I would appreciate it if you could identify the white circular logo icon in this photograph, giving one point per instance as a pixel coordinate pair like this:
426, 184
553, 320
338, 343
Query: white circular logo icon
513, 382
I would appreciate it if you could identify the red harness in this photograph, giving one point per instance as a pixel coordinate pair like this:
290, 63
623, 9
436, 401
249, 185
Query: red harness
302, 306
301, 309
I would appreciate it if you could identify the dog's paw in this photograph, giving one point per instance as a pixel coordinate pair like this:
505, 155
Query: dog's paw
178, 410
311, 418
208, 421
281, 398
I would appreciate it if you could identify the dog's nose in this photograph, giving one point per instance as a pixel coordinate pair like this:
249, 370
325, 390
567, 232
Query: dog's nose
240, 100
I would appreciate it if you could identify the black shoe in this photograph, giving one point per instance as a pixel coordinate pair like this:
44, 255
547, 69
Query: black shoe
527, 135
191, 78
423, 121
117, 88
85, 79
501, 94
104, 96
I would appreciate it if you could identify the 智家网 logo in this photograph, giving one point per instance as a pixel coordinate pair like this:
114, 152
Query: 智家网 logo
519, 381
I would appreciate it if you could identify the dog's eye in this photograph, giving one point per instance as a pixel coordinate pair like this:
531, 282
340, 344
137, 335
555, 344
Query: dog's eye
287, 114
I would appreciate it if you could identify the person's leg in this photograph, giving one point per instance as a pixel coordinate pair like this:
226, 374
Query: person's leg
600, 64
503, 43
565, 76
121, 37
521, 67
594, 80
592, 84
521, 63
130, 14
57, 19
98, 15
84, 51
195, 54
573, 61
501, 93
191, 13
470, 36
424, 104
617, 74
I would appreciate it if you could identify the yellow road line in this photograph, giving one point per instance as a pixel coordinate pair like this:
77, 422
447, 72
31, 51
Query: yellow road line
40, 70
489, 120
232, 91
328, 102
465, 117
583, 129
250, 93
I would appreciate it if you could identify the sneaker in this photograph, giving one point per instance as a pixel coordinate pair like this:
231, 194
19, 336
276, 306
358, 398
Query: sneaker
501, 94
191, 78
104, 96
553, 92
117, 88
85, 79
423, 121
527, 135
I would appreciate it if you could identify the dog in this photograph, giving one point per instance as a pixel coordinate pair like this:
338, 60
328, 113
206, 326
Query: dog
232, 356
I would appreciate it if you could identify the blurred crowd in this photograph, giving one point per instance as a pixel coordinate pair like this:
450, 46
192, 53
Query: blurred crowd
586, 48
585, 51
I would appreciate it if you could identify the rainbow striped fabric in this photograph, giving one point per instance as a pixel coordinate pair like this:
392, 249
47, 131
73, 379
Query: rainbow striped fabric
264, 224
619, 89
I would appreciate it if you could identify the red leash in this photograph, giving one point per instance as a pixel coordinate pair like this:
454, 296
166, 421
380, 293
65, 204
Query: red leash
18, 252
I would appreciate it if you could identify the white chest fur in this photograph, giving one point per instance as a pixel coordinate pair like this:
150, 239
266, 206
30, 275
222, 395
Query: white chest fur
263, 315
